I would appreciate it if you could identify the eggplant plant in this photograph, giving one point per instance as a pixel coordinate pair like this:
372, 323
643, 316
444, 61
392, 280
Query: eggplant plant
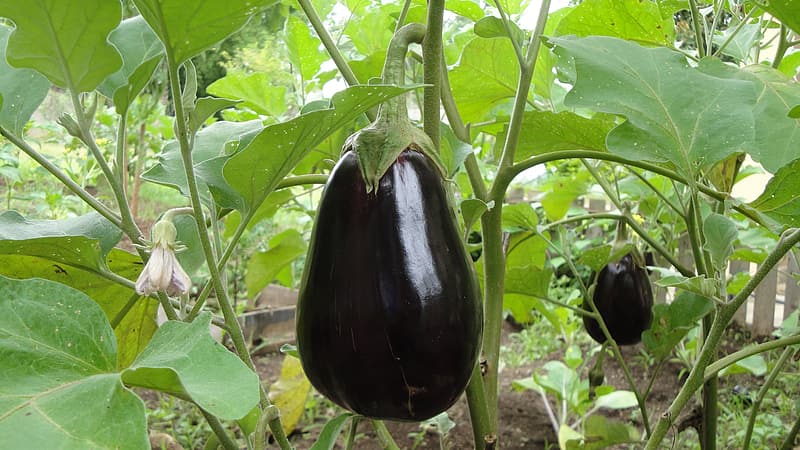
655, 105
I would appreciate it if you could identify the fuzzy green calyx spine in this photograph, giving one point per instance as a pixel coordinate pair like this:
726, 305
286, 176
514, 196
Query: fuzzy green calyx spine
379, 144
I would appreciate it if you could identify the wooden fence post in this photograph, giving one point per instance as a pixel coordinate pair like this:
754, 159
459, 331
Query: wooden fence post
791, 296
764, 306
741, 315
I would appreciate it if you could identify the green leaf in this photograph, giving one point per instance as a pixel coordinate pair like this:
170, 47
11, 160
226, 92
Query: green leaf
204, 108
211, 147
21, 90
737, 282
672, 109
331, 431
754, 365
617, 400
562, 382
263, 267
134, 331
671, 322
187, 28
742, 42
453, 150
255, 171
720, 233
781, 197
787, 11
486, 76
82, 241
183, 359
465, 8
699, 285
632, 20
544, 132
519, 217
493, 27
794, 113
596, 258
777, 136
254, 90
141, 54
57, 357
471, 210
67, 42
289, 393
601, 432
304, 48
561, 191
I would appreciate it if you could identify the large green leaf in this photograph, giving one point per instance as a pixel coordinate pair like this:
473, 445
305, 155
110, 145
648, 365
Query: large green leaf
255, 171
211, 147
720, 233
781, 198
545, 131
263, 267
304, 48
141, 54
787, 11
254, 90
82, 241
633, 20
187, 28
183, 359
134, 331
57, 358
67, 42
777, 136
21, 90
671, 322
675, 113
486, 75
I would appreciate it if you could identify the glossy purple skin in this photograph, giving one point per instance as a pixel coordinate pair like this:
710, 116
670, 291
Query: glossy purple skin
389, 319
625, 301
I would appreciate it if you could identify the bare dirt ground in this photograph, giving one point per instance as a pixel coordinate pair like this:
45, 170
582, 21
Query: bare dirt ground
524, 423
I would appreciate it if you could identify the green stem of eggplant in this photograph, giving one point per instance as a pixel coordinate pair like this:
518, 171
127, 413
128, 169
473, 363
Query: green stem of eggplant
491, 225
762, 392
432, 69
384, 436
788, 240
235, 330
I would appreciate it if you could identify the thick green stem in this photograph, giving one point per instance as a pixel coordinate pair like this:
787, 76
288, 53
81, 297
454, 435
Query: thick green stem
351, 434
773, 375
697, 20
432, 69
783, 45
234, 329
384, 436
721, 320
121, 157
327, 41
478, 409
62, 177
219, 430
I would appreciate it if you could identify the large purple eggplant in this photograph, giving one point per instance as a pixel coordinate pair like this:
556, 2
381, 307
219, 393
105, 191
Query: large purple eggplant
389, 318
624, 300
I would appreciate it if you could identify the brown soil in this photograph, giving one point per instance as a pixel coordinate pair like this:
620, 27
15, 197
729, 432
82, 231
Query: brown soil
524, 423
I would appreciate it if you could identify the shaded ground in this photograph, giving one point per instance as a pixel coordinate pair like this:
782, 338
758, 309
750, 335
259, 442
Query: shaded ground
524, 423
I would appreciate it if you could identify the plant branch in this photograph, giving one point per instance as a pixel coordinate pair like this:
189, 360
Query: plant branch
62, 177
384, 436
507, 25
432, 69
748, 351
219, 430
724, 315
788, 443
773, 375
783, 45
735, 31
697, 20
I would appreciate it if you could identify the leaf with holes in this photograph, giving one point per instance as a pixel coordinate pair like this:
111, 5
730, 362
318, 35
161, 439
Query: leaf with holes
57, 357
